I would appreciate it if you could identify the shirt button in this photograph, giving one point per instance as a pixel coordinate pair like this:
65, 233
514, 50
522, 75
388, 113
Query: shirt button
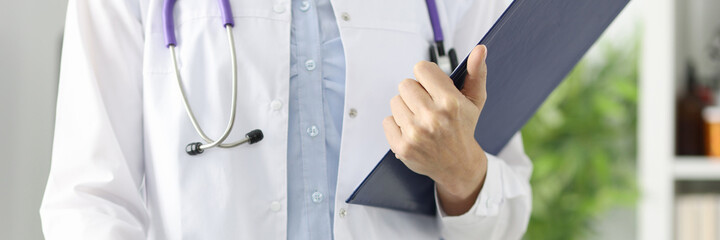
345, 16
279, 8
310, 65
352, 113
276, 105
275, 206
342, 213
305, 6
317, 197
313, 131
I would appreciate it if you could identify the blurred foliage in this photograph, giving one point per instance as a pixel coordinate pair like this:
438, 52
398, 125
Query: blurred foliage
582, 142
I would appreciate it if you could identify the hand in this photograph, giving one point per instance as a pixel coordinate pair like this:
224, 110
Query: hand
432, 130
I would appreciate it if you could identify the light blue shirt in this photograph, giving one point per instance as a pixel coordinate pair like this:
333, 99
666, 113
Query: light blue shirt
317, 95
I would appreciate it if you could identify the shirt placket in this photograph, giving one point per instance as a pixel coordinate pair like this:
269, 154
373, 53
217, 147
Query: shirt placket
310, 102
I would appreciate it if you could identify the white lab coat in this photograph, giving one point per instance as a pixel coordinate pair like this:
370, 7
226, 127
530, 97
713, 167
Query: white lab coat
119, 170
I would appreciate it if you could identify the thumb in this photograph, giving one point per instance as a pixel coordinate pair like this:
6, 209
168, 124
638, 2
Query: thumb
474, 87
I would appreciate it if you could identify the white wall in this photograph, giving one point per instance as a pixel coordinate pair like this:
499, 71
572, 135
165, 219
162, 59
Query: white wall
701, 24
30, 37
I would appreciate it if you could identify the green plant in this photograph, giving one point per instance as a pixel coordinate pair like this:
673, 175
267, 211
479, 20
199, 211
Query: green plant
583, 145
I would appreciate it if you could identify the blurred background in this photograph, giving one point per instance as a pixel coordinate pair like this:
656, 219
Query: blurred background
30, 39
627, 147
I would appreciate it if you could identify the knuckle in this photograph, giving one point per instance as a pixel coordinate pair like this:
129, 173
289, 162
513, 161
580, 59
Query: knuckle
449, 105
427, 64
434, 124
403, 149
417, 67
411, 133
405, 84
388, 121
395, 100
416, 135
422, 66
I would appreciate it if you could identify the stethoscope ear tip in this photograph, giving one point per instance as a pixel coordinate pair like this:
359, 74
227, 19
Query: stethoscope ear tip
255, 136
194, 148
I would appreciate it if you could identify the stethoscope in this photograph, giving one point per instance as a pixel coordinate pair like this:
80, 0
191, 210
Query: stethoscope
447, 63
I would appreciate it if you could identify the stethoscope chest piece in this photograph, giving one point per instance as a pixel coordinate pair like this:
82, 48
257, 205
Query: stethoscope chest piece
447, 62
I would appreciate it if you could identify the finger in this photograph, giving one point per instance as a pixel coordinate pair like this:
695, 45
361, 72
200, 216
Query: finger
400, 111
434, 80
414, 95
392, 132
475, 81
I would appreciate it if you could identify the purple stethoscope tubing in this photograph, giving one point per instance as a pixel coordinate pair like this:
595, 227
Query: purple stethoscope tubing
435, 20
226, 11
169, 22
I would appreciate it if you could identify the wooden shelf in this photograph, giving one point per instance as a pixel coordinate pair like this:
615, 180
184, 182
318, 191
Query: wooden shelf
696, 168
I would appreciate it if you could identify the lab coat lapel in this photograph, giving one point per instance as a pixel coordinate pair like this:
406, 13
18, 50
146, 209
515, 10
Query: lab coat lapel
379, 54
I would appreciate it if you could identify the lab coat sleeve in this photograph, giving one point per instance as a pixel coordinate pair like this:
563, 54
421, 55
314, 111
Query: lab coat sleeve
502, 209
97, 160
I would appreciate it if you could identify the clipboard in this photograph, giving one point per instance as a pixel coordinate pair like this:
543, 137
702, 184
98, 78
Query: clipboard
533, 46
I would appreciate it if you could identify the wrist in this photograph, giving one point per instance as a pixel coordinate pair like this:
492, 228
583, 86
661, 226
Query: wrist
458, 188
464, 182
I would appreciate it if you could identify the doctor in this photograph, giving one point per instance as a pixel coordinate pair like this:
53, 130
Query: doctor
332, 84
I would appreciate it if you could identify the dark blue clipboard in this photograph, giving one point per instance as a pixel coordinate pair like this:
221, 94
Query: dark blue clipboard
532, 46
